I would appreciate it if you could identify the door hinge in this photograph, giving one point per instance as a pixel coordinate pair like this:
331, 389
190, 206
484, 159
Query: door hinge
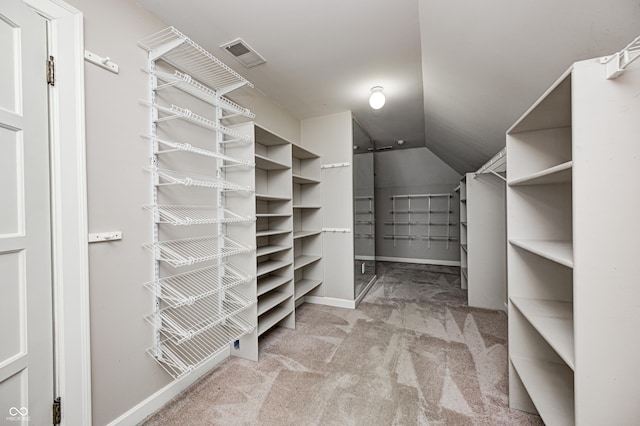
51, 71
56, 411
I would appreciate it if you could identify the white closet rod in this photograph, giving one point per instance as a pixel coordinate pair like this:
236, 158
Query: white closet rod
497, 160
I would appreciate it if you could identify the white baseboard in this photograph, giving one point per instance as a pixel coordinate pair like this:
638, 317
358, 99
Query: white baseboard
420, 261
156, 401
331, 301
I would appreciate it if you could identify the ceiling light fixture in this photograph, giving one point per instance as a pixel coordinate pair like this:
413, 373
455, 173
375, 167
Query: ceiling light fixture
377, 99
400, 142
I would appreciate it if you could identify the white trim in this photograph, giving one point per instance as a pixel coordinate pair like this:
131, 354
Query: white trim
331, 301
69, 212
420, 261
364, 292
156, 401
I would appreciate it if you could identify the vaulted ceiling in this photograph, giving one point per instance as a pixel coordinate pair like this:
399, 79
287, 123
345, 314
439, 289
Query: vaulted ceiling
456, 73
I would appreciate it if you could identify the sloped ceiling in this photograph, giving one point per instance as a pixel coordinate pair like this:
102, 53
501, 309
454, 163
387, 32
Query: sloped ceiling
456, 73
484, 63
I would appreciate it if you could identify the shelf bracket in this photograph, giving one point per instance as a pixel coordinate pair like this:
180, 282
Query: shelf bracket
618, 62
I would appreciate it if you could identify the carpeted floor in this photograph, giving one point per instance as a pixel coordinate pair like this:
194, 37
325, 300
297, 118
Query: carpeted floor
412, 353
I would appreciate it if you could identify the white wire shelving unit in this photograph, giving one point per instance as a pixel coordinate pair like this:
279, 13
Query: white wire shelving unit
200, 312
364, 220
426, 218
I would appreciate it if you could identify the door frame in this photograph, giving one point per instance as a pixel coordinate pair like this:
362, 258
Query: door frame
72, 368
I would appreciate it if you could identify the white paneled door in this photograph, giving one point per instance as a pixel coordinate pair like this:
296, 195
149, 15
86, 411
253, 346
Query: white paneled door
26, 337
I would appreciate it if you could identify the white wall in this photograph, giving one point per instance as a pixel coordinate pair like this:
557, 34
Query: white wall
331, 136
412, 171
123, 375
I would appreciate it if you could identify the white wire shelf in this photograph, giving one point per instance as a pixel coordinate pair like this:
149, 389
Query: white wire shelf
187, 147
179, 360
176, 112
195, 250
186, 322
183, 53
189, 287
420, 196
174, 177
195, 215
187, 84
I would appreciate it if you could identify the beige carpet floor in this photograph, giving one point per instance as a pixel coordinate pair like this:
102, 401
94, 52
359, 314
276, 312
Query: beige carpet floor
412, 353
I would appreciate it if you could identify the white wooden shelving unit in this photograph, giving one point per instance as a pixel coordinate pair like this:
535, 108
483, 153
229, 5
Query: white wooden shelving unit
202, 310
572, 199
483, 234
274, 227
307, 222
464, 261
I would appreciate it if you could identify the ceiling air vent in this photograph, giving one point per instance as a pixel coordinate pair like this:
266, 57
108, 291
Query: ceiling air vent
243, 53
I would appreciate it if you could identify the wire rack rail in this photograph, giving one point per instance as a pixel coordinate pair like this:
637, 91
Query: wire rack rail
190, 251
177, 49
180, 359
188, 321
189, 287
195, 215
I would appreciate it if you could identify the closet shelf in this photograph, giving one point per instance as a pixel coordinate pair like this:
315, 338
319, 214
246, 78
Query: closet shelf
273, 214
265, 250
273, 316
419, 222
409, 196
306, 206
367, 236
304, 286
550, 387
558, 174
179, 360
267, 163
176, 112
270, 266
557, 251
268, 197
186, 147
421, 211
304, 180
400, 237
269, 232
269, 300
303, 234
554, 322
174, 177
304, 260
195, 215
363, 222
198, 90
270, 282
195, 250
188, 321
177, 49
189, 287
439, 238
301, 153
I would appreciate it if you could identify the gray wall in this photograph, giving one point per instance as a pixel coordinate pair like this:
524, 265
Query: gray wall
412, 171
123, 375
